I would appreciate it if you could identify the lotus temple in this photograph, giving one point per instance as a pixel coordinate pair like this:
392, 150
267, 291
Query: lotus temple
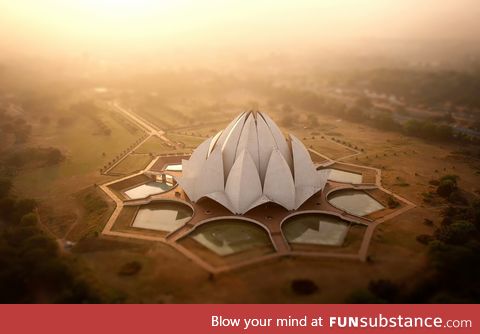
251, 194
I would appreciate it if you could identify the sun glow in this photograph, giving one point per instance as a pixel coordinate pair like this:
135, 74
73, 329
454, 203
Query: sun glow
120, 26
126, 8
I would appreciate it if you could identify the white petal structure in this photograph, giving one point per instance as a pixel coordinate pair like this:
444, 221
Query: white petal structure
279, 186
251, 163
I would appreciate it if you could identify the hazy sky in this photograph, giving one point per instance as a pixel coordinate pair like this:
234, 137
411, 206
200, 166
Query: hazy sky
141, 26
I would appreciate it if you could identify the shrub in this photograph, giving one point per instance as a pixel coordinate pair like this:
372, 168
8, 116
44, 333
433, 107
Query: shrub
392, 202
446, 187
451, 177
30, 219
456, 197
427, 197
7, 206
424, 239
428, 222
5, 186
458, 232
130, 268
384, 289
54, 156
303, 287
363, 297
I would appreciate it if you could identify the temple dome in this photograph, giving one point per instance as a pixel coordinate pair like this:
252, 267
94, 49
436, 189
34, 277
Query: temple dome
251, 163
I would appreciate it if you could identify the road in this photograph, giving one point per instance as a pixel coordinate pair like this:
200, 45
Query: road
149, 128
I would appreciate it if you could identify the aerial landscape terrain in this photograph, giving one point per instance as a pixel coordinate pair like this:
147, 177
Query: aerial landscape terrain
79, 133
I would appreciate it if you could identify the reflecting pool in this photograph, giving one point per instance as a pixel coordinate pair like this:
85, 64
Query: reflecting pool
338, 175
315, 229
225, 237
356, 202
162, 216
147, 189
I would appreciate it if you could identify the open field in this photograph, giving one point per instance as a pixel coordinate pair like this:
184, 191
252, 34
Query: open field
183, 281
94, 210
183, 143
173, 112
155, 146
132, 163
209, 129
86, 152
187, 141
165, 117
327, 147
407, 163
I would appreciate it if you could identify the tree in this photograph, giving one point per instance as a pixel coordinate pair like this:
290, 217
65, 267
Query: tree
456, 233
54, 156
447, 185
475, 213
363, 103
401, 110
355, 113
24, 206
30, 219
364, 297
7, 206
451, 177
39, 247
5, 187
392, 202
384, 289
385, 121
428, 130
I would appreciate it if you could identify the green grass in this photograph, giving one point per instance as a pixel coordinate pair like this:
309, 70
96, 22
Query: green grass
132, 163
86, 153
203, 131
163, 117
94, 214
188, 141
173, 116
155, 145
152, 116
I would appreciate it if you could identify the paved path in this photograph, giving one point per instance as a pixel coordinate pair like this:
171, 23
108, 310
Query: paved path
149, 128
